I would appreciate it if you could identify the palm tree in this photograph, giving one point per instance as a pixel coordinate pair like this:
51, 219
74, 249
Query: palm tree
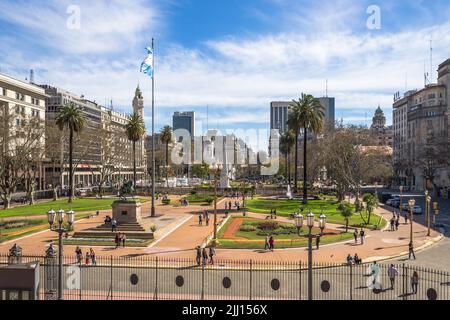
135, 129
166, 138
71, 117
346, 210
308, 114
287, 141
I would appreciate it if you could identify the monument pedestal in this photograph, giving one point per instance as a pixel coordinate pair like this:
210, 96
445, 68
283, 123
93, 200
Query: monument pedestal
127, 212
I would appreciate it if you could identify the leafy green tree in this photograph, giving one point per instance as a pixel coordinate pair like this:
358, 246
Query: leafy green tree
135, 129
346, 210
166, 138
371, 204
72, 118
308, 114
287, 141
200, 171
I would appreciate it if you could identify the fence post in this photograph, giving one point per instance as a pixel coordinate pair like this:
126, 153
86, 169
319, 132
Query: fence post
300, 281
111, 277
203, 282
251, 278
81, 282
351, 281
156, 278
404, 281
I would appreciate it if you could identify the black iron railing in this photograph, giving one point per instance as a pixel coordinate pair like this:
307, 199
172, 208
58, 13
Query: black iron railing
151, 278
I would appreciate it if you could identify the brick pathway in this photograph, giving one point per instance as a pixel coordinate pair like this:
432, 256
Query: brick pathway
180, 240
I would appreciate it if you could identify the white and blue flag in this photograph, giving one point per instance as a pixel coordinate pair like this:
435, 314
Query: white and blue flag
147, 65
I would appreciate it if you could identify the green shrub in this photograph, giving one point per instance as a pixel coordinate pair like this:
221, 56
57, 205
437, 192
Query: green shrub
166, 201
247, 228
193, 192
268, 225
209, 200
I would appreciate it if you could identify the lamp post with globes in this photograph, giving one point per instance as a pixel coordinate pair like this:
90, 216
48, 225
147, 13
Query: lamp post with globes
310, 218
217, 169
428, 212
411, 204
58, 217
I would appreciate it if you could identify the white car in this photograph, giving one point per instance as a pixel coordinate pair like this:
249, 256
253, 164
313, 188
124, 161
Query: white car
417, 210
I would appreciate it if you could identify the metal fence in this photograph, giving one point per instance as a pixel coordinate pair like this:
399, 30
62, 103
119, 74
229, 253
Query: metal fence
151, 278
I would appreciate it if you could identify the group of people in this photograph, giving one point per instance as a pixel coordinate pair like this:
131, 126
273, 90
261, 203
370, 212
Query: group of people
355, 260
273, 214
184, 203
90, 257
361, 234
203, 216
229, 205
392, 273
269, 243
205, 256
113, 222
395, 221
120, 240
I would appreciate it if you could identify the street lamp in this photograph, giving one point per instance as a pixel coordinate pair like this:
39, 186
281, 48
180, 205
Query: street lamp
310, 217
298, 222
411, 204
428, 212
217, 169
58, 217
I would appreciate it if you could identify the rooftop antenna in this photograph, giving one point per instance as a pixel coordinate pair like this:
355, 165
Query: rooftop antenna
32, 76
431, 61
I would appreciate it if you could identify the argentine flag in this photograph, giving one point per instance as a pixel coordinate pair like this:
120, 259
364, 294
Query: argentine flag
147, 65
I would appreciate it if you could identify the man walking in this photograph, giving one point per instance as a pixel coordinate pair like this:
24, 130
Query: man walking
355, 235
200, 219
199, 255
212, 253
267, 245
362, 235
317, 242
392, 274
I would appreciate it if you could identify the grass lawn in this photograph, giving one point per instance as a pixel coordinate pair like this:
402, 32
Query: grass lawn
199, 198
329, 207
78, 205
285, 236
19, 228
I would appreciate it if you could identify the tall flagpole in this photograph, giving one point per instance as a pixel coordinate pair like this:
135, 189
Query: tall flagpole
153, 212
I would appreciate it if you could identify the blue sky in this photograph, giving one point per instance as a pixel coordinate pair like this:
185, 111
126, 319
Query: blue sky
233, 55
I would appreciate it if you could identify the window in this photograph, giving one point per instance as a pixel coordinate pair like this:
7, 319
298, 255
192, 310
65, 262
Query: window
4, 92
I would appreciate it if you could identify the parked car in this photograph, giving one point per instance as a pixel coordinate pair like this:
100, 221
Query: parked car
417, 210
389, 202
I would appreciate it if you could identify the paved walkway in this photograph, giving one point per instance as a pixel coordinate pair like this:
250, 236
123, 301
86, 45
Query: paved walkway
178, 239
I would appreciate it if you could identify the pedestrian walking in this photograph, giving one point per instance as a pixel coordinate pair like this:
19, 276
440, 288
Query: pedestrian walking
93, 257
207, 220
392, 222
415, 282
200, 219
79, 255
117, 240
124, 239
355, 235
205, 256
406, 218
397, 224
362, 234
375, 269
226, 206
114, 225
212, 253
198, 258
411, 251
229, 206
392, 274
88, 258
317, 242
271, 243
267, 244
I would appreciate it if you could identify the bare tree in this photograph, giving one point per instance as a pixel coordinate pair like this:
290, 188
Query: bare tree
21, 142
